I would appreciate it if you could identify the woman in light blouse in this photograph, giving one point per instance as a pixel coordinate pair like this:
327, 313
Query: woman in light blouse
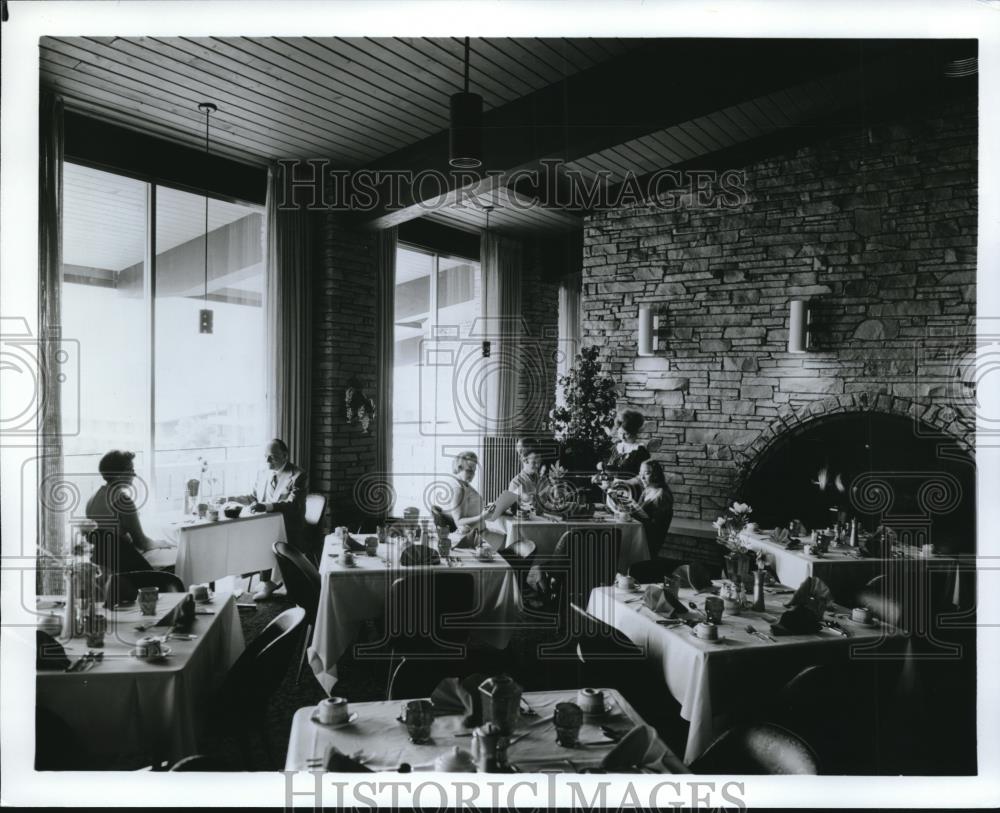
655, 506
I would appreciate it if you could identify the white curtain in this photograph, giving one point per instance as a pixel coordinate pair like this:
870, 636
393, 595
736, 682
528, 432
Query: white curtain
52, 517
502, 260
289, 322
385, 293
570, 325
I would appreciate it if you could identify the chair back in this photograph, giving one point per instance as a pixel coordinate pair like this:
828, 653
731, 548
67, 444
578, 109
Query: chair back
761, 748
426, 610
201, 762
588, 558
598, 640
301, 577
259, 671
650, 571
876, 597
315, 505
125, 586
443, 520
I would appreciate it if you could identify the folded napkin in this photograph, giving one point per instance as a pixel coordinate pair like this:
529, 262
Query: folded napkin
780, 536
814, 595
637, 749
460, 696
797, 621
419, 555
50, 655
352, 545
181, 617
337, 761
694, 576
663, 602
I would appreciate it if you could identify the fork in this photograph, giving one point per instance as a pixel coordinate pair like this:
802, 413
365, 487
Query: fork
757, 633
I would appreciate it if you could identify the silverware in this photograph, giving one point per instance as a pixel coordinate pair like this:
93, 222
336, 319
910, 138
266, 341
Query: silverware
757, 633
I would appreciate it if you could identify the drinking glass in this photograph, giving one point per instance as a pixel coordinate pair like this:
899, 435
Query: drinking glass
419, 717
147, 600
568, 718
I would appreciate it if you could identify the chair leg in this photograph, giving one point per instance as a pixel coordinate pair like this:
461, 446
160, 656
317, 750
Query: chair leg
305, 649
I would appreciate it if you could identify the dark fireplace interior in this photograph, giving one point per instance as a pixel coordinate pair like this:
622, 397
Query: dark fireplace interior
877, 467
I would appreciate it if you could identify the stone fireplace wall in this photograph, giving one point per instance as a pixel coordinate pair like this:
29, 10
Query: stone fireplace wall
877, 228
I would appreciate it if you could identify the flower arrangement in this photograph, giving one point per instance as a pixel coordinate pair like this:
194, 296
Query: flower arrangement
731, 523
587, 414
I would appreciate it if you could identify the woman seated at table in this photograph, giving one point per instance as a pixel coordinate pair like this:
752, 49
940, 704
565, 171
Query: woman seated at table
628, 454
654, 507
464, 504
120, 545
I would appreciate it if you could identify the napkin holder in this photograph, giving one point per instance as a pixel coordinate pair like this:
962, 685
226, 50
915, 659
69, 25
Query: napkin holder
663, 602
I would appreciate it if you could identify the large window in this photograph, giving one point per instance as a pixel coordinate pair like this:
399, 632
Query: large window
184, 401
435, 412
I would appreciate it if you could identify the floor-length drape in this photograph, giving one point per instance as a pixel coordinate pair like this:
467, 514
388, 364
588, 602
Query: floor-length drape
289, 322
385, 293
501, 260
570, 325
51, 519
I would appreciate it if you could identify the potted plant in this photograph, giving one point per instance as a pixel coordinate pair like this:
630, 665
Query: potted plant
582, 423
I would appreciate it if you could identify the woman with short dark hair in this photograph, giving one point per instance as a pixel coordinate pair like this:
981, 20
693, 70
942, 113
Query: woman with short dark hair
655, 506
628, 454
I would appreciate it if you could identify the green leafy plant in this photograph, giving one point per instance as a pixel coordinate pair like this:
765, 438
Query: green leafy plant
588, 411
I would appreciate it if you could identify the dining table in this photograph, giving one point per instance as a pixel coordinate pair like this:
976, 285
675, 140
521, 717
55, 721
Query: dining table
377, 738
846, 571
351, 595
210, 550
545, 532
711, 680
131, 712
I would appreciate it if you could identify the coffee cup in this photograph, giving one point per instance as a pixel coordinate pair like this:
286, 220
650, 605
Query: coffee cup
862, 615
371, 545
202, 509
200, 592
332, 710
346, 558
808, 549
624, 582
342, 532
707, 632
590, 700
148, 647
213, 513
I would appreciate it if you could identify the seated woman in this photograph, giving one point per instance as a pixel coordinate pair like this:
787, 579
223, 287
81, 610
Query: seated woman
655, 506
464, 504
628, 454
120, 545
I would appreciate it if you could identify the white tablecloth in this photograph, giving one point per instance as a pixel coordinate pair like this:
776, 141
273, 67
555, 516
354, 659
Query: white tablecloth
133, 713
349, 596
710, 680
845, 573
546, 533
208, 551
385, 742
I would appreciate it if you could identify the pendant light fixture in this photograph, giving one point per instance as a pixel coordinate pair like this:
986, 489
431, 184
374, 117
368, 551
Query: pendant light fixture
205, 315
465, 135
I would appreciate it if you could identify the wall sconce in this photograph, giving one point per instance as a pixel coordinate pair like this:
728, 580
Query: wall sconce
360, 408
799, 319
649, 323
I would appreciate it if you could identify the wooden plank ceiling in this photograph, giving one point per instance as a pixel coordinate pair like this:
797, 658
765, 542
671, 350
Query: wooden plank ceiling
364, 102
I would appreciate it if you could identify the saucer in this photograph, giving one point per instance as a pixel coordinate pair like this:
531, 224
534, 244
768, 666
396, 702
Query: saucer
350, 719
164, 653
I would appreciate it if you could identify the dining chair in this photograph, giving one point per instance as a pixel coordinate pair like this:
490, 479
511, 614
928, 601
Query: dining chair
313, 531
303, 583
584, 558
761, 748
256, 675
201, 762
650, 571
122, 587
877, 597
443, 520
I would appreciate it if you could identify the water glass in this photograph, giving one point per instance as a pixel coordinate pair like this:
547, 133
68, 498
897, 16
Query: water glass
568, 719
147, 600
419, 717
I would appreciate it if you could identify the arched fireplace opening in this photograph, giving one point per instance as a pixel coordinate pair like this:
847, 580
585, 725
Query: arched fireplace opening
882, 468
